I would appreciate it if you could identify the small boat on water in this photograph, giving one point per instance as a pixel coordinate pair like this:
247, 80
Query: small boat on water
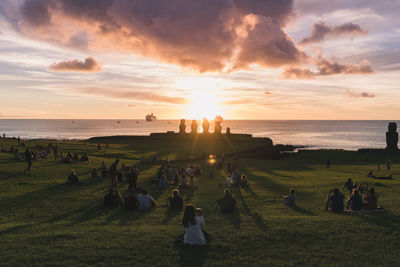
151, 117
118, 122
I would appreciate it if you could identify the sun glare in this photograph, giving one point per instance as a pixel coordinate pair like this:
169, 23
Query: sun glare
203, 97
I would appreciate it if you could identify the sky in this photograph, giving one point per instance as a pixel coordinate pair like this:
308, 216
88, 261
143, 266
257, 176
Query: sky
241, 59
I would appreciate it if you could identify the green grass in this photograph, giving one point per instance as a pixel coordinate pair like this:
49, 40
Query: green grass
43, 221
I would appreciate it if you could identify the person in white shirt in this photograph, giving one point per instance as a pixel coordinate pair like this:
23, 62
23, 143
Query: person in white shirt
146, 202
193, 222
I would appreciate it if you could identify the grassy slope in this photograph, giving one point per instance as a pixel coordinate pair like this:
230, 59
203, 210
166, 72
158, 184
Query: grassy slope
45, 222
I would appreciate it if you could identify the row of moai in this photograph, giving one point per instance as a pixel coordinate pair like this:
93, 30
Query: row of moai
205, 125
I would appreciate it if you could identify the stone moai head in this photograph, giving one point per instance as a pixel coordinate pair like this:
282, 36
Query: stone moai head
392, 127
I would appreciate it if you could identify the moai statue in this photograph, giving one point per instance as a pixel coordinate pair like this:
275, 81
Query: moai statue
194, 127
182, 126
217, 127
228, 130
206, 126
392, 137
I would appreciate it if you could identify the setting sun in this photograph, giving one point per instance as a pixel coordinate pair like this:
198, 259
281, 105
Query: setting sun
203, 104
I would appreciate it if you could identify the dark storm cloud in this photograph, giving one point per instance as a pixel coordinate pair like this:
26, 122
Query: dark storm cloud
206, 35
321, 30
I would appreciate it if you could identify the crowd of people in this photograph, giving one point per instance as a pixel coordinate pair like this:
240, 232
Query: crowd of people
361, 198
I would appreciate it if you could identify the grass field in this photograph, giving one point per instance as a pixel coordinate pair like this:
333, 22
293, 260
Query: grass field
43, 221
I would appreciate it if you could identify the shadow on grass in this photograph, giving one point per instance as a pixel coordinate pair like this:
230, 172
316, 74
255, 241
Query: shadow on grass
301, 210
255, 216
192, 255
14, 229
383, 219
170, 214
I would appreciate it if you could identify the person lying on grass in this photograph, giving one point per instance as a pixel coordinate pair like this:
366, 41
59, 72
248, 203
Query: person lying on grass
176, 201
335, 202
131, 201
73, 178
193, 223
113, 199
290, 200
226, 203
354, 202
146, 202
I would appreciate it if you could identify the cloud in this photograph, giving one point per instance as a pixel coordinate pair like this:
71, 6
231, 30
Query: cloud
359, 95
206, 35
320, 30
297, 73
131, 95
75, 65
328, 67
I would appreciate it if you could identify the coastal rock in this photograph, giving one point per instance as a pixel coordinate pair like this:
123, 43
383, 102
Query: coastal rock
392, 137
182, 126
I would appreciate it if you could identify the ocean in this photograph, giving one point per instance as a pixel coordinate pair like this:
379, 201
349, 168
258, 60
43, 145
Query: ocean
349, 135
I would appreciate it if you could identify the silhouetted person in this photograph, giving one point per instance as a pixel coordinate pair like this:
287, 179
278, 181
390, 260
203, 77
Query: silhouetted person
94, 173
132, 178
335, 202
349, 185
193, 223
28, 158
206, 126
112, 199
226, 203
131, 201
370, 200
328, 163
113, 173
355, 201
73, 178
146, 202
228, 130
176, 201
290, 200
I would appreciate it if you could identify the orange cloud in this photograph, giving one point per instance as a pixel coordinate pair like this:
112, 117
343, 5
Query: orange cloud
88, 65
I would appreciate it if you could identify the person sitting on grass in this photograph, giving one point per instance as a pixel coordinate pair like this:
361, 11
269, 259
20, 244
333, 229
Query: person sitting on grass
84, 157
290, 200
354, 202
226, 203
112, 199
335, 202
176, 201
193, 222
146, 202
163, 182
73, 178
370, 200
243, 180
349, 185
131, 201
94, 173
113, 173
